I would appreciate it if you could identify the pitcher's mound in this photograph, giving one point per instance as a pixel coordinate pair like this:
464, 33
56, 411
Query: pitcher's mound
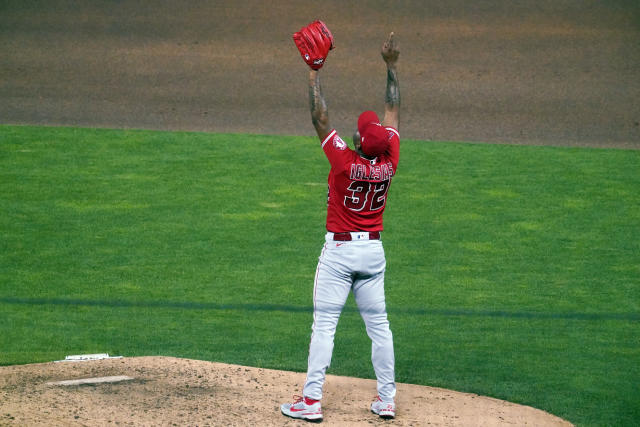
171, 391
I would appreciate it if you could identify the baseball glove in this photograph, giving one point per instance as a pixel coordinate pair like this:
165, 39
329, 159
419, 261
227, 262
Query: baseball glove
314, 43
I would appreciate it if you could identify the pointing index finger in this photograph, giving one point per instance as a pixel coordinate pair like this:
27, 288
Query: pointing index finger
390, 39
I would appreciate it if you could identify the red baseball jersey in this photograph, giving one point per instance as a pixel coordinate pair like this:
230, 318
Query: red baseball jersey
358, 186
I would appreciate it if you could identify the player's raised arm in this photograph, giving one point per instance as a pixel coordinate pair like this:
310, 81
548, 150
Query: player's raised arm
390, 53
318, 106
314, 42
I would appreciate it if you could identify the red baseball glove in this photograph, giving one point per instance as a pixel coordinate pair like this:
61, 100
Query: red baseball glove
314, 43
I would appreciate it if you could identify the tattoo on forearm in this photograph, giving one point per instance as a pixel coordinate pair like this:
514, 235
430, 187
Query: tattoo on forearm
392, 97
317, 103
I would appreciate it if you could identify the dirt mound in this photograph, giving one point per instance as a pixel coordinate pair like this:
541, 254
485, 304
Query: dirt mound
172, 391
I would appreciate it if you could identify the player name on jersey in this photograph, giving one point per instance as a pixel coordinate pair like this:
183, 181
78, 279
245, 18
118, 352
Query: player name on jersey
381, 172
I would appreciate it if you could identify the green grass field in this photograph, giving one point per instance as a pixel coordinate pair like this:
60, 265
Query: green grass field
513, 271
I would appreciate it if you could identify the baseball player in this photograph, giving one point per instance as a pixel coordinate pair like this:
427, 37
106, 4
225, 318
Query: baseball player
352, 258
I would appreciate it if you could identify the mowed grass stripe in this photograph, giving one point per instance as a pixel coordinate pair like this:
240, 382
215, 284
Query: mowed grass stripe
411, 311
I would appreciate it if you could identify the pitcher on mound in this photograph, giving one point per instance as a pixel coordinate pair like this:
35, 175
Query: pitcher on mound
352, 258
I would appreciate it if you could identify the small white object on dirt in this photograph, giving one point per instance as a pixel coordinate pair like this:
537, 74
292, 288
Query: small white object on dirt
97, 380
85, 357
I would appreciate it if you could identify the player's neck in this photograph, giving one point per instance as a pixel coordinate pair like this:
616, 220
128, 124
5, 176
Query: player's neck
361, 154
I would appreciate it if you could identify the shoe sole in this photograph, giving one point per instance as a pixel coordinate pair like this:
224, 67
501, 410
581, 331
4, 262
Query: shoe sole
314, 418
385, 414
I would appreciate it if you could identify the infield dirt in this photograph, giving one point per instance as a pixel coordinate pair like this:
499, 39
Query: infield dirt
543, 72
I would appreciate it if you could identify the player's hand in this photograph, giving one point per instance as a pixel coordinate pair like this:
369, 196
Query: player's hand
390, 50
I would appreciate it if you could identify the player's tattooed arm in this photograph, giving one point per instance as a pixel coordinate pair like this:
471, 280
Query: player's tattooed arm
390, 54
392, 97
318, 106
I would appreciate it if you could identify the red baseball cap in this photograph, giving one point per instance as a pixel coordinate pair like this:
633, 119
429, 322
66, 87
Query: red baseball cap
374, 138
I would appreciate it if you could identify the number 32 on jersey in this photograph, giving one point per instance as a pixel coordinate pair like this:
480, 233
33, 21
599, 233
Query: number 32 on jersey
367, 195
